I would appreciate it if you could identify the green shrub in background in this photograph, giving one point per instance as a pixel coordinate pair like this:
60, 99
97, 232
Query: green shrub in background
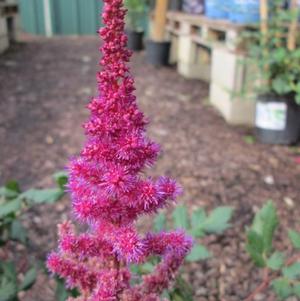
198, 225
13, 204
280, 271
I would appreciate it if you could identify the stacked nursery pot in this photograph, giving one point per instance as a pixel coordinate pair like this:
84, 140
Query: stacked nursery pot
193, 6
157, 47
245, 11
217, 9
134, 23
278, 105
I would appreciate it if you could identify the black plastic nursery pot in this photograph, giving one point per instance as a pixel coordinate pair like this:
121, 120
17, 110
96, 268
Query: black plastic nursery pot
175, 5
158, 52
135, 40
277, 119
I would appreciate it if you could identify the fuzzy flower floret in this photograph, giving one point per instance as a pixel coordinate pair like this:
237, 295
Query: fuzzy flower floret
109, 192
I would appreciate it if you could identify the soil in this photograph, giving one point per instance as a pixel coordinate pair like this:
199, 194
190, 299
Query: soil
44, 87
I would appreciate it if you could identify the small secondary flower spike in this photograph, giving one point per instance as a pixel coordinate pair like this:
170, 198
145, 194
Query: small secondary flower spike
109, 192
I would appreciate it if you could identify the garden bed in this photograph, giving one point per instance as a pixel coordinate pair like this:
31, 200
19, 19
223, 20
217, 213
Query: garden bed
44, 85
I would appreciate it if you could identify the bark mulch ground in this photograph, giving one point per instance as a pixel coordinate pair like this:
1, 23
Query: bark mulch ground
44, 87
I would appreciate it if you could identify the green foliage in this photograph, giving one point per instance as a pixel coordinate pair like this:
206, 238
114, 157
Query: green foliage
13, 203
279, 67
61, 293
136, 12
198, 224
9, 284
284, 271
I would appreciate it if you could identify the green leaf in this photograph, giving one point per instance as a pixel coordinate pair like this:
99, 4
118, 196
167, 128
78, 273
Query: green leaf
10, 207
8, 291
7, 193
40, 196
180, 218
160, 222
292, 272
61, 292
295, 239
255, 248
61, 178
281, 85
265, 224
29, 279
296, 289
182, 291
218, 220
8, 283
198, 252
13, 186
282, 288
146, 268
197, 220
18, 232
276, 261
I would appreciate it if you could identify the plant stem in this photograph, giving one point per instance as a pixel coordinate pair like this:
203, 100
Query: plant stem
265, 283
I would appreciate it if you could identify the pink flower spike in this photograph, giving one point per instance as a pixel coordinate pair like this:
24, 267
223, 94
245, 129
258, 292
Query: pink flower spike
109, 192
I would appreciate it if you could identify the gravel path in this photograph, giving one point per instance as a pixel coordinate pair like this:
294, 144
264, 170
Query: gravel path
44, 87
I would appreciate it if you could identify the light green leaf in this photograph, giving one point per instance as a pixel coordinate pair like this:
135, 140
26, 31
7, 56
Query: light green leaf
218, 220
8, 283
29, 279
198, 252
10, 207
61, 293
8, 291
276, 261
255, 248
265, 224
40, 196
292, 272
295, 238
197, 220
147, 267
18, 232
282, 288
296, 289
180, 218
61, 178
160, 222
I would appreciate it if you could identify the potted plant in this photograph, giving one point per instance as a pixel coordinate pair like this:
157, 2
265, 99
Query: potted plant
134, 29
157, 47
278, 60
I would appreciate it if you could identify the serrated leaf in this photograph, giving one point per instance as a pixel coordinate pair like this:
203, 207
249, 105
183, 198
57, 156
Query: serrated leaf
292, 272
265, 224
276, 261
197, 220
295, 238
282, 288
61, 178
29, 279
198, 252
10, 207
218, 220
180, 218
160, 222
18, 232
255, 248
40, 196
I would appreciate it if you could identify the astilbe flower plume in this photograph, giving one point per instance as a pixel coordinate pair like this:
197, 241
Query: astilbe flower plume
109, 191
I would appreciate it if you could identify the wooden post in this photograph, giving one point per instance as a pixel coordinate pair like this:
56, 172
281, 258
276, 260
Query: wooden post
264, 16
160, 20
293, 26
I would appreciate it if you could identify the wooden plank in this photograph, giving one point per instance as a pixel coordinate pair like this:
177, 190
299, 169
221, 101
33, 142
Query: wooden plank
264, 16
292, 35
160, 20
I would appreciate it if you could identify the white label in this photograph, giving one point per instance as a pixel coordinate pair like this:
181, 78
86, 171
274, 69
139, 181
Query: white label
271, 115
